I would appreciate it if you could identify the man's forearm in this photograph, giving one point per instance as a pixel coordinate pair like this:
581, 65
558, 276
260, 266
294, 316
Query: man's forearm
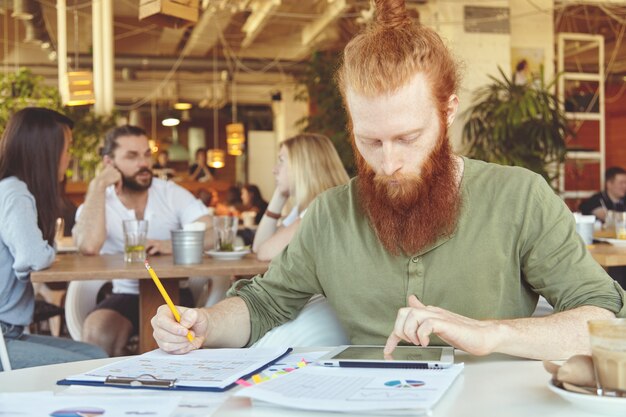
557, 336
229, 324
90, 230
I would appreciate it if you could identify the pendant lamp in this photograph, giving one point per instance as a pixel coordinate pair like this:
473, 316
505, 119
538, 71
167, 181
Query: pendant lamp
215, 157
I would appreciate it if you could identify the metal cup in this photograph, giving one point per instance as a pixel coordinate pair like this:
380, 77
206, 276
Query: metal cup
187, 246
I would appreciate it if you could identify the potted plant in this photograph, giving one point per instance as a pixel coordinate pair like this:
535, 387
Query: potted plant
24, 89
513, 124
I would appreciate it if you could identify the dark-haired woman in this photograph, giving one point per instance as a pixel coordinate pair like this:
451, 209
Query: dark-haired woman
33, 159
253, 201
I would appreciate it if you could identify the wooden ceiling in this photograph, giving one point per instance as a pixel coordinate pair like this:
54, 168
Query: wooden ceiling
263, 42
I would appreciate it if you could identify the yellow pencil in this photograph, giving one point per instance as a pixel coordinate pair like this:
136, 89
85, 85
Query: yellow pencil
166, 296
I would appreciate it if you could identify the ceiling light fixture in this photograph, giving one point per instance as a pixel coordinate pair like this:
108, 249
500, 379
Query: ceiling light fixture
80, 83
182, 105
235, 134
215, 156
170, 120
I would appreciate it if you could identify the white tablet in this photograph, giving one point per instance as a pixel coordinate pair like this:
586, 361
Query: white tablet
356, 356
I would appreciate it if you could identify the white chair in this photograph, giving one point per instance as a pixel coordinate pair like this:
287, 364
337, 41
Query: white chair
80, 300
206, 295
316, 325
4, 354
543, 308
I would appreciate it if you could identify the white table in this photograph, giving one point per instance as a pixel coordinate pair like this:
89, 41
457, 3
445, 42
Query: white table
493, 386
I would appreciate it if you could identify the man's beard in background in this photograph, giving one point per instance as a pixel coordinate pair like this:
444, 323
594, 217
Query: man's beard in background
410, 213
131, 182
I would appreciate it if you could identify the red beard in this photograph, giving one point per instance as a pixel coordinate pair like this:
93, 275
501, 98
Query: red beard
410, 213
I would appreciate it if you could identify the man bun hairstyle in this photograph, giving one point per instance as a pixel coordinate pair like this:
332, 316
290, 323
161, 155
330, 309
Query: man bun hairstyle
385, 56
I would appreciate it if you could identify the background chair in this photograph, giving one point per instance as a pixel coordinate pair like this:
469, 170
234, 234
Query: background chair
80, 300
316, 325
543, 308
4, 354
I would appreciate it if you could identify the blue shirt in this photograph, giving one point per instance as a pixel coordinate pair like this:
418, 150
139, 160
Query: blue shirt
22, 250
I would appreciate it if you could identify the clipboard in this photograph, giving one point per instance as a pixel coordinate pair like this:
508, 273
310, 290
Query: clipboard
214, 370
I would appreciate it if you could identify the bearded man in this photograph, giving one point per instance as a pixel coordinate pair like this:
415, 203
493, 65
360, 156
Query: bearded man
424, 246
126, 190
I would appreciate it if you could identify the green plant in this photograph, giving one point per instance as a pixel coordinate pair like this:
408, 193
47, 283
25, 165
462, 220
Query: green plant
88, 132
519, 125
24, 89
326, 111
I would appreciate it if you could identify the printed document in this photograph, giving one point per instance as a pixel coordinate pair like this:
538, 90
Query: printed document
38, 404
410, 391
212, 369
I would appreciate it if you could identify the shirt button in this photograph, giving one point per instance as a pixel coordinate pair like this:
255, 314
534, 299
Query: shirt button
415, 259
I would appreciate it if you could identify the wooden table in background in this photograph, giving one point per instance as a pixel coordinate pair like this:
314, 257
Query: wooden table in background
75, 267
608, 255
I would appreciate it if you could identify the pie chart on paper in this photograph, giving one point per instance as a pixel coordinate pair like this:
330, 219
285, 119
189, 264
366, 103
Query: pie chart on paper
404, 383
78, 412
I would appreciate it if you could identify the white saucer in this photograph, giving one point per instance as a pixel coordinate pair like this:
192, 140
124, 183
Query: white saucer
67, 249
608, 406
228, 256
614, 242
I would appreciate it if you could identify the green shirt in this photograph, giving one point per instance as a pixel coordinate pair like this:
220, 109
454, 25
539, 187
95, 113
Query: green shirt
514, 239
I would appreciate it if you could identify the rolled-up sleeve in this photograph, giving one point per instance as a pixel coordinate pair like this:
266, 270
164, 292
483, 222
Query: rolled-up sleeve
556, 262
291, 280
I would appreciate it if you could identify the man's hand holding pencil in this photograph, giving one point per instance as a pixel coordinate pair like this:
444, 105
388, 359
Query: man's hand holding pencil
181, 326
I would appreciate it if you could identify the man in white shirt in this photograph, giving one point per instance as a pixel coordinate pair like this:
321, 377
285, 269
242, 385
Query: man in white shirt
126, 190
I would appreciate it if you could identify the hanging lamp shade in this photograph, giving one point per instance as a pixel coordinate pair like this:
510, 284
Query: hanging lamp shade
169, 13
171, 119
235, 138
80, 88
235, 149
215, 158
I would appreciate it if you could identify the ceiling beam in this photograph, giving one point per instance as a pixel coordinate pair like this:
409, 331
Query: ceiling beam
333, 11
205, 33
169, 40
261, 12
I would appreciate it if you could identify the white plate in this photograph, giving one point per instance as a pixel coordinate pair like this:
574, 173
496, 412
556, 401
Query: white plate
608, 406
228, 256
614, 242
67, 249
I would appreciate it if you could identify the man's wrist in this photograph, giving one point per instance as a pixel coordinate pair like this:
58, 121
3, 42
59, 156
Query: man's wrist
499, 335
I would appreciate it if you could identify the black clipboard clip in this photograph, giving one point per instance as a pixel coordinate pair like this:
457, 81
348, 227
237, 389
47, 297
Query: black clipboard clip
144, 380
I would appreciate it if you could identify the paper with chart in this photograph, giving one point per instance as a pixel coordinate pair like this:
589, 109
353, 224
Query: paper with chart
356, 389
203, 368
37, 404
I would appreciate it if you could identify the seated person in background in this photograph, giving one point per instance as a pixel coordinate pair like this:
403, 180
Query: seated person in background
308, 164
125, 190
612, 198
252, 200
205, 196
232, 205
33, 159
424, 246
200, 171
161, 166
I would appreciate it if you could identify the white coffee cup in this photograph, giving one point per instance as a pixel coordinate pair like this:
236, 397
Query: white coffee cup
248, 218
584, 227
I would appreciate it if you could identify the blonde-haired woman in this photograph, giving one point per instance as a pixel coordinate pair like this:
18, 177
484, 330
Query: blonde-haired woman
308, 164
